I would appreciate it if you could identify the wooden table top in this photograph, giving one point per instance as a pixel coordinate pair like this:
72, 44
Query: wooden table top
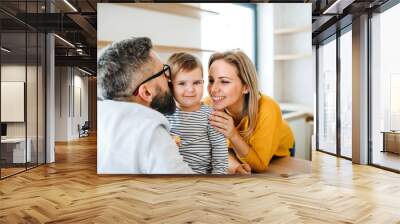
288, 166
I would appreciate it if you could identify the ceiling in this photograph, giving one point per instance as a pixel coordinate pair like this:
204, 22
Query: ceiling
76, 22
332, 15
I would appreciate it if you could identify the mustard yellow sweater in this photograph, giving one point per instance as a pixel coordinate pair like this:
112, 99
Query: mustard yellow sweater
271, 137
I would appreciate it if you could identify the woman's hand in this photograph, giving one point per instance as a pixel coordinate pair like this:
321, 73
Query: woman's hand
243, 169
223, 123
235, 167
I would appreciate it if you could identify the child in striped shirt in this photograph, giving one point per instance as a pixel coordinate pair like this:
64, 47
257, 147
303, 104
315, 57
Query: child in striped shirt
202, 147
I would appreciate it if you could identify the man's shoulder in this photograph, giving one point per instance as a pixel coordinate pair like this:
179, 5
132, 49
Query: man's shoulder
130, 111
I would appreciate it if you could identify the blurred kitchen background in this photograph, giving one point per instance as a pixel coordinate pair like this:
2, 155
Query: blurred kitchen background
277, 38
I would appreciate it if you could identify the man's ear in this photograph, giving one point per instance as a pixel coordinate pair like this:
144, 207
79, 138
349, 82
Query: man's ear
145, 93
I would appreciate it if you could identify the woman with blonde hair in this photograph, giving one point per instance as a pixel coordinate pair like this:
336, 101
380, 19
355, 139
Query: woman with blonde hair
250, 120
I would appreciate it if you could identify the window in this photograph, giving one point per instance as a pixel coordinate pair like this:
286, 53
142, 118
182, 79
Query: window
22, 65
334, 106
346, 94
327, 97
385, 89
227, 31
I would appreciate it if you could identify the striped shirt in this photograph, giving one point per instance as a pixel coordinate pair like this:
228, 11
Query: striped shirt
202, 147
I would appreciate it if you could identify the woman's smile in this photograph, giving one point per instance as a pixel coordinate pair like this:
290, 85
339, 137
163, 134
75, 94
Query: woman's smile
218, 99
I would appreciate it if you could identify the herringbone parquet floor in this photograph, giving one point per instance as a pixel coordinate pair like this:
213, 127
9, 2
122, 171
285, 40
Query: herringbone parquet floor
70, 191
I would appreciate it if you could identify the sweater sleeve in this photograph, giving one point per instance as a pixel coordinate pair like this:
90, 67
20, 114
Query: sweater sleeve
219, 151
264, 141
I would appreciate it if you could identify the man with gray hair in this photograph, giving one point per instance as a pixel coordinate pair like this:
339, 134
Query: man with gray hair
133, 136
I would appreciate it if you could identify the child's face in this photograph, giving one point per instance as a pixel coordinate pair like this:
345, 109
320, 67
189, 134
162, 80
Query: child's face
188, 89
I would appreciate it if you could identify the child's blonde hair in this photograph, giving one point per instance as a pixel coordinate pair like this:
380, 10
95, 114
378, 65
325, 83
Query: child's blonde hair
183, 62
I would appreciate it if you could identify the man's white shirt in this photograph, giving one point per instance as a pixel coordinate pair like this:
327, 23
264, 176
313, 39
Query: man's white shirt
134, 139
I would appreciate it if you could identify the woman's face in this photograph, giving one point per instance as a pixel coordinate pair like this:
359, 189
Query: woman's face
224, 86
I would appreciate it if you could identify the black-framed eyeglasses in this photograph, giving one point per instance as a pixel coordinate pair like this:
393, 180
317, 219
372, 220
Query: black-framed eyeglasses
166, 71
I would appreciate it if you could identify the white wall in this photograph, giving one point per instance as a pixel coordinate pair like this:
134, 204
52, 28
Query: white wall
79, 117
61, 103
17, 73
266, 48
67, 115
117, 22
12, 101
299, 82
314, 72
33, 126
290, 81
14, 73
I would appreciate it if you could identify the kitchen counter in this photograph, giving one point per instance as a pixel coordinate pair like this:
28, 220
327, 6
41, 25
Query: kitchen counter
292, 111
289, 166
298, 117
